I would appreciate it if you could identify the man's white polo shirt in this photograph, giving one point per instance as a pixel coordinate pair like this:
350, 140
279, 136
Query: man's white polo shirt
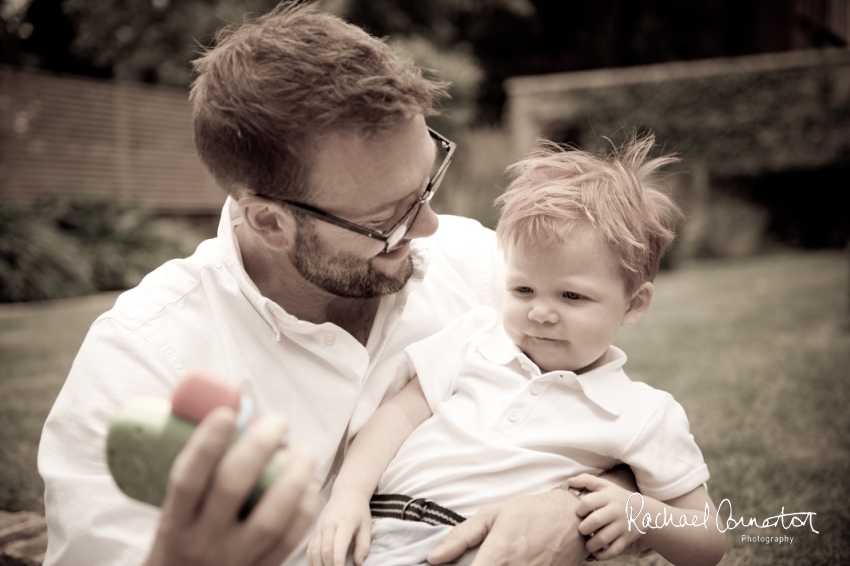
204, 311
502, 429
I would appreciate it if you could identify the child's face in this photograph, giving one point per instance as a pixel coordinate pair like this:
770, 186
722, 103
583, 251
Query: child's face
565, 304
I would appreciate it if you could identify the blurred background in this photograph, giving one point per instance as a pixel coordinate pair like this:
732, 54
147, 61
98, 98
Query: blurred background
754, 96
99, 184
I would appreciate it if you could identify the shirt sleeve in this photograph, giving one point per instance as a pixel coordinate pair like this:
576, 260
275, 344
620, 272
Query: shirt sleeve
437, 359
664, 457
90, 522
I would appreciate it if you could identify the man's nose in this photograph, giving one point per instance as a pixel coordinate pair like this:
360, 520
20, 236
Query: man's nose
541, 312
424, 225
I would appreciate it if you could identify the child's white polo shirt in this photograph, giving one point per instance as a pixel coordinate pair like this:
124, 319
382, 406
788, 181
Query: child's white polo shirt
502, 429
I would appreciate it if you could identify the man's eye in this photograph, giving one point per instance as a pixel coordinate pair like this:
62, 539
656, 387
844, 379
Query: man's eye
572, 296
380, 225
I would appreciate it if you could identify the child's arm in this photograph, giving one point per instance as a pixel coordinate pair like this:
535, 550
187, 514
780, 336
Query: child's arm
347, 513
615, 518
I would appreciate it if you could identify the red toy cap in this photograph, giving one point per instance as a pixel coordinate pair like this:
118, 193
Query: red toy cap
199, 392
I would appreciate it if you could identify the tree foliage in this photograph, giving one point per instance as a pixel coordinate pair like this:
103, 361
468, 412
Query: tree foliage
151, 40
528, 37
476, 43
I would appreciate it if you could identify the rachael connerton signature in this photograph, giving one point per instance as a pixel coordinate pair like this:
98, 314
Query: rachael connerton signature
647, 521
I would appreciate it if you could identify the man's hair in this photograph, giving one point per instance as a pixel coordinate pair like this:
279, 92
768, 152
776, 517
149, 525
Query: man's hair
558, 189
270, 86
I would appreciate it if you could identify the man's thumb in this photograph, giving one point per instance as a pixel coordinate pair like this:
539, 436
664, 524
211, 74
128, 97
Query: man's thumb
468, 534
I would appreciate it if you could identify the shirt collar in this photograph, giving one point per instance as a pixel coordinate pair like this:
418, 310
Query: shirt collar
497, 348
270, 311
606, 385
230, 219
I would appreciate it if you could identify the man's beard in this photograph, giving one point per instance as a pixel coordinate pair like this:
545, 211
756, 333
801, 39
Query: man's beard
342, 274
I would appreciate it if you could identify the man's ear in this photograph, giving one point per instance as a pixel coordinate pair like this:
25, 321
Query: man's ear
638, 304
269, 221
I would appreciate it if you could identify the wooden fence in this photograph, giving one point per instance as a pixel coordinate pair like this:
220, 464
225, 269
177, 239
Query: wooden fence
64, 135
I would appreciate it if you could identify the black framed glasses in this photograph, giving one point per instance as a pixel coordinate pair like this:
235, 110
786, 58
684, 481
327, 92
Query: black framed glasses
394, 235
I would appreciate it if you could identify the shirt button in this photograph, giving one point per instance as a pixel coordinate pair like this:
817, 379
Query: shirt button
535, 389
513, 415
330, 339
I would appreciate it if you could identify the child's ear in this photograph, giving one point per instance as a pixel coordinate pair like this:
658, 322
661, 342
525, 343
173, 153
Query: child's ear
271, 223
638, 304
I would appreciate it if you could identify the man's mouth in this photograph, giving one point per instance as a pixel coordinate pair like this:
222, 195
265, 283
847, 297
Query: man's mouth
395, 248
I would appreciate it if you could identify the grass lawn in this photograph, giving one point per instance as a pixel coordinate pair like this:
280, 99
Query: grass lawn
38, 342
757, 351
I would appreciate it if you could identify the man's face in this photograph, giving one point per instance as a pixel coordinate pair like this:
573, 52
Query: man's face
343, 274
372, 182
564, 305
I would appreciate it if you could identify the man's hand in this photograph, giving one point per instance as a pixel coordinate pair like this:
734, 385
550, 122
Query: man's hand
537, 530
200, 515
345, 516
604, 518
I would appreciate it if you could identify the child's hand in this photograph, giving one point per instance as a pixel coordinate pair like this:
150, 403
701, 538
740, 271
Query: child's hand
604, 512
345, 516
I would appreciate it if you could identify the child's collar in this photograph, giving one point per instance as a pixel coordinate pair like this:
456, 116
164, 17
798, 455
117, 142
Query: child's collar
606, 385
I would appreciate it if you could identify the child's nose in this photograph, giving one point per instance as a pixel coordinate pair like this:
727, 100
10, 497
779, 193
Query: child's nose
541, 313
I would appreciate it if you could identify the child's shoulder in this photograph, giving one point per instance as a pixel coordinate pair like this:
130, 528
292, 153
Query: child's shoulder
462, 331
652, 409
648, 399
642, 388
478, 319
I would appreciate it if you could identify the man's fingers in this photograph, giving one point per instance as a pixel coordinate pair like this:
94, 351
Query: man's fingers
238, 471
280, 507
193, 468
466, 535
209, 484
535, 530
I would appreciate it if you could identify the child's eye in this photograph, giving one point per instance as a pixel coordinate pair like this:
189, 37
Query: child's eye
523, 290
572, 296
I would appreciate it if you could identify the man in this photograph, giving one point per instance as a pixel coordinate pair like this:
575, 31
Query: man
320, 275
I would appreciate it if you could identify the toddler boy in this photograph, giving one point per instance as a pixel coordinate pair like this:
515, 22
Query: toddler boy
508, 405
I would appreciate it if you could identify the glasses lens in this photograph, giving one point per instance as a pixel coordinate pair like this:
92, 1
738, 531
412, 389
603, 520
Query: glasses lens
400, 231
437, 181
394, 237
441, 164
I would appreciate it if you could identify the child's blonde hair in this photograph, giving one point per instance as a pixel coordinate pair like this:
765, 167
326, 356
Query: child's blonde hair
557, 189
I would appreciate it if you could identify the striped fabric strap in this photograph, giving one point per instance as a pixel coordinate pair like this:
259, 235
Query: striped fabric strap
409, 509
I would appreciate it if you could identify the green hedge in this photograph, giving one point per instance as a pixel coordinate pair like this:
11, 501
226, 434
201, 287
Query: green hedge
744, 123
75, 246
